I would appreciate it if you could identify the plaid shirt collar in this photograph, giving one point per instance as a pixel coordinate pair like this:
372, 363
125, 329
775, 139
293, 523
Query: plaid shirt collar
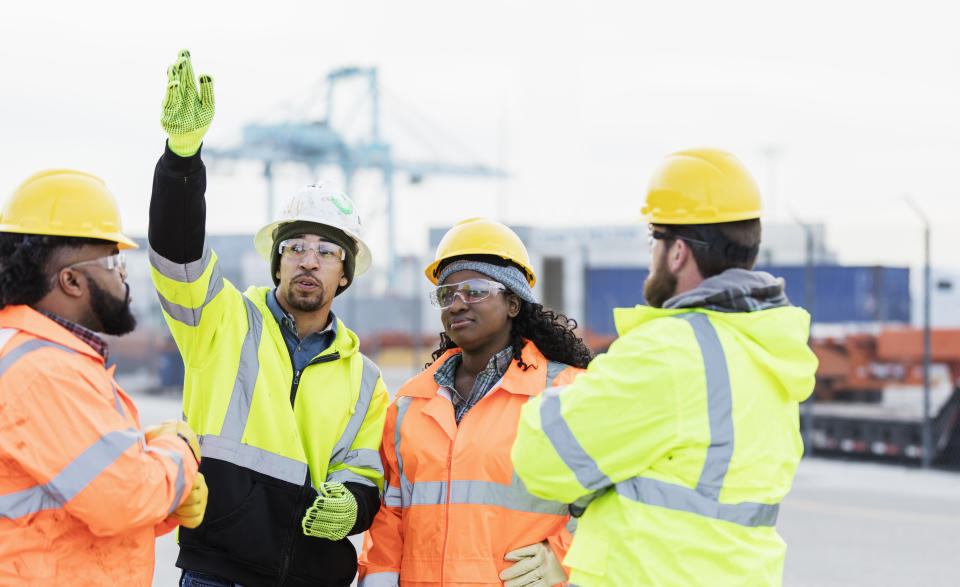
496, 367
85, 334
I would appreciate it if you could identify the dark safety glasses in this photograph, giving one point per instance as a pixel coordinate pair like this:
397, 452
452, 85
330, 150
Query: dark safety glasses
470, 291
653, 235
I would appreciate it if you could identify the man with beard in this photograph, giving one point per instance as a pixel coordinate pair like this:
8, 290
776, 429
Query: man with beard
290, 412
83, 492
679, 443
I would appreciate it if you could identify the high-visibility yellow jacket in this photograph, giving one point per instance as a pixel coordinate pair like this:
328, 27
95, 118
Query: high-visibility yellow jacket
82, 494
687, 433
453, 507
269, 435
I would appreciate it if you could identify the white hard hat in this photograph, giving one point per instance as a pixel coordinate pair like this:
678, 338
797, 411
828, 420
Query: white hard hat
324, 204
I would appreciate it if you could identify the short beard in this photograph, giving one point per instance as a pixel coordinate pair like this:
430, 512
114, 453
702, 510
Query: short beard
304, 304
661, 285
114, 313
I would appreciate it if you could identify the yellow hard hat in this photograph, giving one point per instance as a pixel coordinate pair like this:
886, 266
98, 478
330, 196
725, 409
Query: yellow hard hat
481, 236
63, 202
701, 186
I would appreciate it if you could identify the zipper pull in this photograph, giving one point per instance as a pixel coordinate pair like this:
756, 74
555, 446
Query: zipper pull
296, 378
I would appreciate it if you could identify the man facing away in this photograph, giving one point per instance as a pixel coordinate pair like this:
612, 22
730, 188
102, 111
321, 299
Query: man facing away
685, 433
289, 412
83, 492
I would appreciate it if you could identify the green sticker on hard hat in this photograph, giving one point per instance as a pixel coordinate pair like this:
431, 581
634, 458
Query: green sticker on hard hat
344, 204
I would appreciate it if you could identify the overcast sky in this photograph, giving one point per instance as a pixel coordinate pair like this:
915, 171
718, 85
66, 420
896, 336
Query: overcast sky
840, 109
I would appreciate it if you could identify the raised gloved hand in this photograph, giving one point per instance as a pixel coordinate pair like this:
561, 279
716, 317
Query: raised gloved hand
536, 566
187, 113
332, 514
190, 512
175, 428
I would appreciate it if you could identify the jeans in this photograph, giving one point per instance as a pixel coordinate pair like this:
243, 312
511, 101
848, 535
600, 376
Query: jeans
195, 579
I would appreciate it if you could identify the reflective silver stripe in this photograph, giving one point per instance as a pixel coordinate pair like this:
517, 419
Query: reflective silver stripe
719, 405
387, 579
391, 496
177, 458
703, 500
427, 493
116, 398
406, 487
571, 526
346, 475
513, 497
191, 316
253, 458
341, 451
235, 420
72, 479
364, 458
182, 272
28, 347
554, 368
585, 469
676, 497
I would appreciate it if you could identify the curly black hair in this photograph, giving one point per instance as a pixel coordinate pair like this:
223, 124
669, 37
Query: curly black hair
24, 274
550, 331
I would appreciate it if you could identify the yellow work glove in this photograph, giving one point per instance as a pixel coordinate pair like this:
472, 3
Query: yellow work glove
190, 512
175, 428
187, 112
333, 513
536, 566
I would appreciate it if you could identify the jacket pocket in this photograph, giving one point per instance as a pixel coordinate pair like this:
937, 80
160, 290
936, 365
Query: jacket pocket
587, 554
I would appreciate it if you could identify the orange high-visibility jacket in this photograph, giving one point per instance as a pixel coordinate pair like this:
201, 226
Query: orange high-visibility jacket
452, 506
82, 496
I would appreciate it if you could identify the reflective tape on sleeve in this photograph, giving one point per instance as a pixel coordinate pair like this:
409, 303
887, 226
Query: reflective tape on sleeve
72, 479
583, 466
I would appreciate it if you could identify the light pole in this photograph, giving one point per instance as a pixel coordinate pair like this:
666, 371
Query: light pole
927, 433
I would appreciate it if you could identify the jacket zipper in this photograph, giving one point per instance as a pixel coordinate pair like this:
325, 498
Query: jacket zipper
286, 551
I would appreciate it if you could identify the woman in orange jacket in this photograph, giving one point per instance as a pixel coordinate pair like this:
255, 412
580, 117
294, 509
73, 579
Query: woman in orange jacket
454, 513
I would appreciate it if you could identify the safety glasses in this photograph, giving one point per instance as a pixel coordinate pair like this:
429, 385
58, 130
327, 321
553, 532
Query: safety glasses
654, 235
470, 291
116, 261
296, 248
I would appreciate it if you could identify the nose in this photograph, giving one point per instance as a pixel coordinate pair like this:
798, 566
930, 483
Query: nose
310, 259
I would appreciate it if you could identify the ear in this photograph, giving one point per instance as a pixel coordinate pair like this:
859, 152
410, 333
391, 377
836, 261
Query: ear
71, 282
277, 275
513, 305
678, 256
343, 280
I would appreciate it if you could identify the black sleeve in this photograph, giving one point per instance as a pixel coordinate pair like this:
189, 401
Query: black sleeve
178, 211
368, 504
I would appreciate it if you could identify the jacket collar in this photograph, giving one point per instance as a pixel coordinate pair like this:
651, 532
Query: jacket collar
515, 380
26, 319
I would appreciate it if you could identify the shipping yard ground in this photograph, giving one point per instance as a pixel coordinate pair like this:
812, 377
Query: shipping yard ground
845, 523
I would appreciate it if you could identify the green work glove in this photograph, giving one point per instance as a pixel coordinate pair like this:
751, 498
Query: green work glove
332, 514
187, 113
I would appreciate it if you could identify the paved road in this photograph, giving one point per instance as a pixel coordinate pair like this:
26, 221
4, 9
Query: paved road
844, 523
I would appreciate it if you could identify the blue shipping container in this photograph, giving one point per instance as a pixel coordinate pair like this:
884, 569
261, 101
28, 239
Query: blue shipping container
841, 293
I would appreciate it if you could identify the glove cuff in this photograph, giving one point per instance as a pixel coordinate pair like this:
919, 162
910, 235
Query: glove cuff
187, 144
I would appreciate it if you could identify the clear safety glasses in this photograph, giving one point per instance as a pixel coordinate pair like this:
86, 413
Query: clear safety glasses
296, 248
116, 261
470, 291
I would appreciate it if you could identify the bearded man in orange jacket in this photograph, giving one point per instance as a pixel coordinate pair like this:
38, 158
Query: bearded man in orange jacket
83, 491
